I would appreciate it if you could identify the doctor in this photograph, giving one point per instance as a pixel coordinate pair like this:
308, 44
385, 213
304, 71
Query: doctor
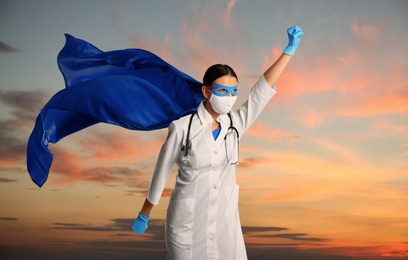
202, 216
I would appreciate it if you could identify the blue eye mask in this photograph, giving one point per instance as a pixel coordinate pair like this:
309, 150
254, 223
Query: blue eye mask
222, 91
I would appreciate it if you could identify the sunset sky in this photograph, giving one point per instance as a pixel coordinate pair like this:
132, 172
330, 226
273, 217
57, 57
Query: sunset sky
323, 172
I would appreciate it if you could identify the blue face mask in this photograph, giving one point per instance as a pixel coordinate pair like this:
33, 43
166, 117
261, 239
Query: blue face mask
222, 91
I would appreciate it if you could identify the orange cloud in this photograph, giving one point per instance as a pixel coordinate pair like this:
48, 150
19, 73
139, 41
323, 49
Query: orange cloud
396, 251
231, 5
370, 105
158, 47
319, 76
120, 145
357, 79
264, 131
70, 168
339, 193
341, 89
117, 156
250, 162
367, 32
202, 36
308, 176
313, 118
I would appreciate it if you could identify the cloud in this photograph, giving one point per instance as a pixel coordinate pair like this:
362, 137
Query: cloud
8, 219
390, 128
165, 194
249, 162
5, 48
114, 144
100, 145
104, 146
287, 252
14, 129
251, 229
365, 32
121, 243
119, 246
228, 13
158, 47
389, 252
81, 227
70, 168
312, 119
109, 159
201, 36
114, 225
155, 231
294, 236
267, 237
261, 241
12, 147
358, 76
25, 105
254, 239
127, 250
372, 105
148, 42
97, 249
107, 155
7, 180
333, 169
344, 91
266, 132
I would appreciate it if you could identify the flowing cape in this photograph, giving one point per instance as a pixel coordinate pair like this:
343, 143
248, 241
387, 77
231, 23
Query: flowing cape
131, 88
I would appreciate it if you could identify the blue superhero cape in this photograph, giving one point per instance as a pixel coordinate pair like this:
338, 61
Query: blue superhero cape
131, 88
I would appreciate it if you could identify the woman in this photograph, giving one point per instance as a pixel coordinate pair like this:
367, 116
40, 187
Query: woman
202, 217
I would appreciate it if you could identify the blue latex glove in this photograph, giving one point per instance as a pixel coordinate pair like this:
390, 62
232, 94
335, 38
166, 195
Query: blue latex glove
294, 34
140, 224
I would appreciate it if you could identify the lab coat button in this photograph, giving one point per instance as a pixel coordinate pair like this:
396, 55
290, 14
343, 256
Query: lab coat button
214, 187
215, 152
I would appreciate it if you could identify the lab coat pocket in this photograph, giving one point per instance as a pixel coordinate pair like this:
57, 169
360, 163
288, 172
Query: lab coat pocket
179, 227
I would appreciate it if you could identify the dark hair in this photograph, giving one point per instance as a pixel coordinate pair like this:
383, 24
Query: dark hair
217, 71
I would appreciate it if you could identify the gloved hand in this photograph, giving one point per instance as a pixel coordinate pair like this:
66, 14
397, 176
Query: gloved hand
294, 34
140, 224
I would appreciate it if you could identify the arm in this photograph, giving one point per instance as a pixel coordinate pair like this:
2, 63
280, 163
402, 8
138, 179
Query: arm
261, 93
167, 159
147, 208
140, 224
272, 74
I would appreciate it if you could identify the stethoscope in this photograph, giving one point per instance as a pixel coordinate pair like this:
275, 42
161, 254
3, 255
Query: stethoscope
232, 132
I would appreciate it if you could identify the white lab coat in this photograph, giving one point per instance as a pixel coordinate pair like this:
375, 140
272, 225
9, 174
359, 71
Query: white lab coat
202, 216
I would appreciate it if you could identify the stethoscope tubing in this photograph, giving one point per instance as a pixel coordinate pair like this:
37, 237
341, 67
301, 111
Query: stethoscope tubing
187, 146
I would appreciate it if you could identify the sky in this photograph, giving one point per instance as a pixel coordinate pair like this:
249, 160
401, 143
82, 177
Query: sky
323, 172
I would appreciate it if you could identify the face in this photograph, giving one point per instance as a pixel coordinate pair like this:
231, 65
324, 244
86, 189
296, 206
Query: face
222, 94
